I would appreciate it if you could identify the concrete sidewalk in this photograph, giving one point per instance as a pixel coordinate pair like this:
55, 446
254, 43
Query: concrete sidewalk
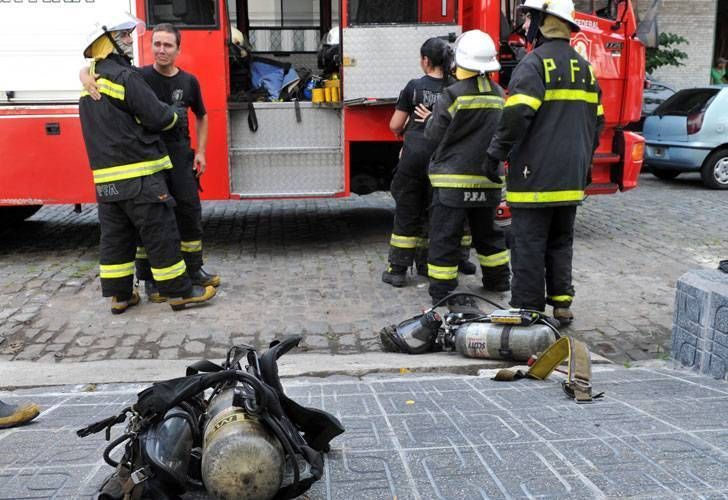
19, 374
658, 433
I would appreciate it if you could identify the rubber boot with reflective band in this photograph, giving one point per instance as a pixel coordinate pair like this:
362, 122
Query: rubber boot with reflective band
200, 277
465, 266
197, 295
395, 275
152, 293
564, 315
497, 278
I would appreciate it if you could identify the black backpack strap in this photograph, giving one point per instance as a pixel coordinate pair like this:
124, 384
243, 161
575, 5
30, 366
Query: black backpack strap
316, 461
318, 427
155, 401
203, 366
252, 118
269, 364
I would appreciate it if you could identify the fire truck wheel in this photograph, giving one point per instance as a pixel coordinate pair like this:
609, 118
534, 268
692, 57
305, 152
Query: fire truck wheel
14, 215
664, 173
715, 170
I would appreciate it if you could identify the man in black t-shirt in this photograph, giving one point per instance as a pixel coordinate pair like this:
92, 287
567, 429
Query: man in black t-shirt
181, 90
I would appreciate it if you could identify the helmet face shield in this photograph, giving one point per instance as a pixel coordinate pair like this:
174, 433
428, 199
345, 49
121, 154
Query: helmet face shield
123, 22
126, 22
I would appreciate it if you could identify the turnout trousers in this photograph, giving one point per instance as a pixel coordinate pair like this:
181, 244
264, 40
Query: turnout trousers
411, 192
542, 243
148, 217
446, 233
412, 195
183, 186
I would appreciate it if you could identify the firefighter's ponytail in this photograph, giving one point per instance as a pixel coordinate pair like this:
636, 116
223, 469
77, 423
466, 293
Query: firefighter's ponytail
439, 53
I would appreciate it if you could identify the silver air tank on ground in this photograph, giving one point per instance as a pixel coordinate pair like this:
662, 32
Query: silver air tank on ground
240, 459
500, 341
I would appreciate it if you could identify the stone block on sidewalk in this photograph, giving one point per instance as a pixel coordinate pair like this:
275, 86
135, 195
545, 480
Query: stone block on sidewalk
700, 322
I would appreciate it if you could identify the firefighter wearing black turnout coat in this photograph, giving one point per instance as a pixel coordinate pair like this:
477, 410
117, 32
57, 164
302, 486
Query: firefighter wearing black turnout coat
464, 119
128, 159
549, 131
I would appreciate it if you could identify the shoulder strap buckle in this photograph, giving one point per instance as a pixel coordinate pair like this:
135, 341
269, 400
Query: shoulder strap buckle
140, 475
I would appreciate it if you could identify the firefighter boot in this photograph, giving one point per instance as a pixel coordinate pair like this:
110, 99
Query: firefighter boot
395, 275
203, 278
497, 279
13, 415
119, 305
464, 304
196, 295
421, 260
152, 292
467, 267
564, 315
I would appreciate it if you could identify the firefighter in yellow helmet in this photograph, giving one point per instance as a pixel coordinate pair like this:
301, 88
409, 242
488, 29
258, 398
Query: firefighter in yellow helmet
127, 158
464, 119
549, 132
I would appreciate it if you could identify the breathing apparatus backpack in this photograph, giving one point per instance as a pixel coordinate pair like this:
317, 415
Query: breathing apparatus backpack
507, 334
174, 431
503, 334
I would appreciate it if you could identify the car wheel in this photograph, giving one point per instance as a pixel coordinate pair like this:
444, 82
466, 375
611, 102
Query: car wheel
715, 170
664, 173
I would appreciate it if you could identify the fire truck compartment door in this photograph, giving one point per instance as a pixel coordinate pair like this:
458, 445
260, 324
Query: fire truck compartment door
41, 47
380, 60
286, 157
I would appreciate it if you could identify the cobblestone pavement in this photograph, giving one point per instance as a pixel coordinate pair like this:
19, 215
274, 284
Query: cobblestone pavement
314, 266
657, 433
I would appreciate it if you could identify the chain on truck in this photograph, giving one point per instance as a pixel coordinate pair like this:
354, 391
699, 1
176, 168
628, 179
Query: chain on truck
291, 147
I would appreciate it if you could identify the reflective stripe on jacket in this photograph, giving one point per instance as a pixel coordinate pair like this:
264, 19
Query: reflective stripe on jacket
550, 127
463, 121
121, 131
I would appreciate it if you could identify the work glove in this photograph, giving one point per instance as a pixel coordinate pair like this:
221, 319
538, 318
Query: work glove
492, 169
181, 110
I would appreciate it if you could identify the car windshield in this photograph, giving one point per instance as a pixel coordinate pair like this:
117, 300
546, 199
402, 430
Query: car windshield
686, 102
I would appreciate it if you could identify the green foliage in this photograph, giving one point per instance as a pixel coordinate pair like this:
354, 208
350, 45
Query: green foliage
665, 54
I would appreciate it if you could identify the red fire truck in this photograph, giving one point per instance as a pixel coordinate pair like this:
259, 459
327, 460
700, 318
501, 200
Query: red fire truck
300, 149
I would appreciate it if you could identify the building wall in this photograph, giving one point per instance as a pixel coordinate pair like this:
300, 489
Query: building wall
695, 21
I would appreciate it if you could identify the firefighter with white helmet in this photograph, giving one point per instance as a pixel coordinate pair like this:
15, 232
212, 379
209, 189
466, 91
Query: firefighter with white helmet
464, 118
127, 158
549, 132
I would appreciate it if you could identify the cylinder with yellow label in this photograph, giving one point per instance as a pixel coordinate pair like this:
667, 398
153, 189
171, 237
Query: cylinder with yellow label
318, 95
241, 460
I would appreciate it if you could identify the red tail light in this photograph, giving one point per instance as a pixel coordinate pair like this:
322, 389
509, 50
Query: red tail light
695, 122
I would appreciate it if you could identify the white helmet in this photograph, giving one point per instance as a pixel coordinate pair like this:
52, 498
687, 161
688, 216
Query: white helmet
475, 51
331, 37
563, 9
118, 22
